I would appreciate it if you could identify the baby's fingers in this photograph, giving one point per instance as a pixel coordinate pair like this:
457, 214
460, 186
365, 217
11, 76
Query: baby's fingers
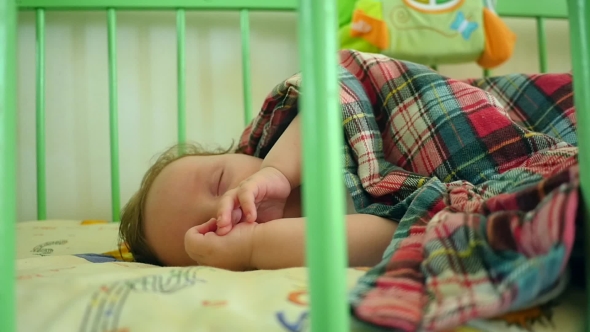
228, 203
209, 226
247, 197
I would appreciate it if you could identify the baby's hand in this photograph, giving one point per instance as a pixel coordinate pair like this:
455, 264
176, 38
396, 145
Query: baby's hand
259, 198
231, 252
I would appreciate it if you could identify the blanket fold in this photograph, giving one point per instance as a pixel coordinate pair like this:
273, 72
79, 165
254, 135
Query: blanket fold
481, 175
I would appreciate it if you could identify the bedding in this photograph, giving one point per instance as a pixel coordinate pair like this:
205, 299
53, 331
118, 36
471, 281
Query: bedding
72, 277
481, 175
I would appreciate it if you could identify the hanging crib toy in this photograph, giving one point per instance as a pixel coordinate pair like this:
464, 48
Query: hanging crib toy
427, 31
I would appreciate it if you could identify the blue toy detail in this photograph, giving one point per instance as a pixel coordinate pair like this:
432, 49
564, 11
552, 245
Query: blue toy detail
463, 26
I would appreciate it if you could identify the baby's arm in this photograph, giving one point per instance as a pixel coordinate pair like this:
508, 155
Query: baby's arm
281, 243
285, 154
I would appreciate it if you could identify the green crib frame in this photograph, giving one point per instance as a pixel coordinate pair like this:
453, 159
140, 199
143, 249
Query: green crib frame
326, 247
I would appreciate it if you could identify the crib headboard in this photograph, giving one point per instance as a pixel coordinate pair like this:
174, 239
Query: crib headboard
112, 7
317, 24
536, 9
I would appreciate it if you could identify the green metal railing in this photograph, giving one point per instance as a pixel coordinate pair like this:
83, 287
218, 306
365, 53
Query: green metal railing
325, 245
579, 20
323, 164
111, 7
181, 73
233, 5
113, 111
247, 80
40, 116
7, 165
539, 10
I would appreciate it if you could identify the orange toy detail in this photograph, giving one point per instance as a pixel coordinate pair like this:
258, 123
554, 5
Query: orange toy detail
370, 29
499, 43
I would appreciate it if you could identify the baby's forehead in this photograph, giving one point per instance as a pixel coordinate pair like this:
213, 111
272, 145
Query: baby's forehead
166, 198
173, 175
182, 174
180, 165
180, 162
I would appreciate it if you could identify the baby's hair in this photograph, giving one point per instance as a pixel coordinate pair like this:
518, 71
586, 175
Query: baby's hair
131, 233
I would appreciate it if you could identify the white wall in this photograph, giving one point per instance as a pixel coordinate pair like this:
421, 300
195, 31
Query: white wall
77, 93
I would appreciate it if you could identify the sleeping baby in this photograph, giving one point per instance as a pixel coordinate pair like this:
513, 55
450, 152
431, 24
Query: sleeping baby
234, 211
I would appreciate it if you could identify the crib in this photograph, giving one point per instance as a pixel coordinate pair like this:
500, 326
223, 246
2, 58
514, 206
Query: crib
326, 248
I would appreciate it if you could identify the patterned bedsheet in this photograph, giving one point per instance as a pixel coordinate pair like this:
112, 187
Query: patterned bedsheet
70, 277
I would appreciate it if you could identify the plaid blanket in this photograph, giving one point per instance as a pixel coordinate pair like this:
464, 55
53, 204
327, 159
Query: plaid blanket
481, 176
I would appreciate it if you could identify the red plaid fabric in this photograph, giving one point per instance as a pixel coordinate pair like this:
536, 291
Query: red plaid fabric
481, 176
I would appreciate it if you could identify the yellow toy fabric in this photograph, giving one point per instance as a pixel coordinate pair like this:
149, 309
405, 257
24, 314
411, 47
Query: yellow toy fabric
427, 31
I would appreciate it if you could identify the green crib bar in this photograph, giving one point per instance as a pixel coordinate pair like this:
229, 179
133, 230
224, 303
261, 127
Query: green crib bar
7, 165
579, 21
40, 117
542, 41
113, 116
181, 69
246, 77
326, 249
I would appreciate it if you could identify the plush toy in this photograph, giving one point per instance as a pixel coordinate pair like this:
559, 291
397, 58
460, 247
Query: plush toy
427, 31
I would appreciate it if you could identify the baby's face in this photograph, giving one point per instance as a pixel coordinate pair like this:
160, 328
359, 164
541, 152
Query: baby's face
185, 194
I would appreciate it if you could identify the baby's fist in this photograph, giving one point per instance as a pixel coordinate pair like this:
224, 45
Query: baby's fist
232, 251
259, 198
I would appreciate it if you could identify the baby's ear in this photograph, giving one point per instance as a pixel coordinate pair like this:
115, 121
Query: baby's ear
209, 226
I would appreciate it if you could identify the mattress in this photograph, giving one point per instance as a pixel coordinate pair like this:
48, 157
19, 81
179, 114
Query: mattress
71, 276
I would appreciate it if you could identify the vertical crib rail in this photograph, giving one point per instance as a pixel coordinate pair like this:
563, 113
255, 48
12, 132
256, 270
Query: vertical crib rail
113, 112
542, 42
181, 73
40, 117
7, 165
322, 167
579, 21
246, 77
